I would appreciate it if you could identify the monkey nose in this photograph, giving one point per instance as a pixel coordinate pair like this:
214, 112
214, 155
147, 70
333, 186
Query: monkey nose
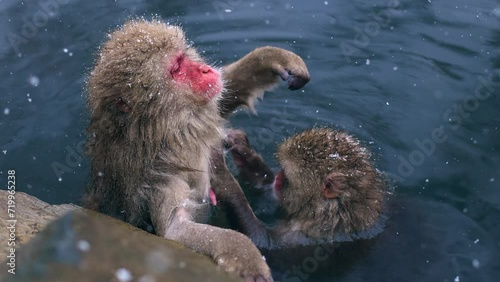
206, 69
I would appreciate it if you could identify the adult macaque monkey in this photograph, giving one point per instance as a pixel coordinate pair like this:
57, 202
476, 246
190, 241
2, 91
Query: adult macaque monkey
327, 188
154, 119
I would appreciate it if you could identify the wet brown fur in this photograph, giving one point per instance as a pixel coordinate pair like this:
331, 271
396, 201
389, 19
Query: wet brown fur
150, 163
310, 156
165, 134
248, 78
307, 159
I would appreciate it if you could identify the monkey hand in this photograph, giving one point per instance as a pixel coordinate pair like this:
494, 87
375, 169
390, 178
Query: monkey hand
250, 164
237, 143
260, 70
289, 66
228, 191
225, 187
244, 259
283, 63
235, 136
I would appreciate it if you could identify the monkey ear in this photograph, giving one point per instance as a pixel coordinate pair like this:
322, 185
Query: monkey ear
122, 106
333, 184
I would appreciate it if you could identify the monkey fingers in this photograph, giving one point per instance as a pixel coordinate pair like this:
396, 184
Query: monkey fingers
250, 164
295, 80
235, 136
289, 67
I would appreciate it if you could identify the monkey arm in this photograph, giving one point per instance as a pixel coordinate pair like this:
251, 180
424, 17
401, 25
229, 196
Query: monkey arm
229, 192
259, 71
252, 167
250, 164
231, 250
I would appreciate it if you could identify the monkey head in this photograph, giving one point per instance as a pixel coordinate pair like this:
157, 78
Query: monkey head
147, 70
327, 184
149, 91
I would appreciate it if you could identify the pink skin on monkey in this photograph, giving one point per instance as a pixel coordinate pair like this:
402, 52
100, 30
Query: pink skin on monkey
201, 78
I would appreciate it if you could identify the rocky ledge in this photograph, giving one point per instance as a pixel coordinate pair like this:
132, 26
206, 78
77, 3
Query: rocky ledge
82, 245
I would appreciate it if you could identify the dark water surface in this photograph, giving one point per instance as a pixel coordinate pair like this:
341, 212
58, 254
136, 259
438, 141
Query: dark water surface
417, 81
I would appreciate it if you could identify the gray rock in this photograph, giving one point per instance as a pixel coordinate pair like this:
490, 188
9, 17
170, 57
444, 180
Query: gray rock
32, 216
84, 245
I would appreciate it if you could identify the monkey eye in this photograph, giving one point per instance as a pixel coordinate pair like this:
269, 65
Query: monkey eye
285, 182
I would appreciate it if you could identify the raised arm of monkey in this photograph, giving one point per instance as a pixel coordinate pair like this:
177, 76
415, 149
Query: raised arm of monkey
260, 70
327, 188
154, 119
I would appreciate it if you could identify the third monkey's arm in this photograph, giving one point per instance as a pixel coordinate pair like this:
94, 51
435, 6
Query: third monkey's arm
260, 70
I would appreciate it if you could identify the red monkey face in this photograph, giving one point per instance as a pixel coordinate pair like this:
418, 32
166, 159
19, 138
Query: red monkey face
202, 79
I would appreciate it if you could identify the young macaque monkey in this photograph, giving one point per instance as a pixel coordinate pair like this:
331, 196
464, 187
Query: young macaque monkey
154, 120
327, 188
